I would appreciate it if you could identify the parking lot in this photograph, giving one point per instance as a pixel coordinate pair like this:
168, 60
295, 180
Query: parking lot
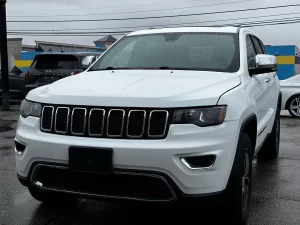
276, 195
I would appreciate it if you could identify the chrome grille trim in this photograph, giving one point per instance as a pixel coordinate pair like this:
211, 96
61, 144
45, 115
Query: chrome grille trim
108, 120
144, 122
52, 109
165, 127
103, 120
68, 115
84, 123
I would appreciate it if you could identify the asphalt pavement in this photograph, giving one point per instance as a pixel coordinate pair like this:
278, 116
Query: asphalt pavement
275, 200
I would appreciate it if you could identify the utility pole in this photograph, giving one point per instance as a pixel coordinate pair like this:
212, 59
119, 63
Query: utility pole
4, 57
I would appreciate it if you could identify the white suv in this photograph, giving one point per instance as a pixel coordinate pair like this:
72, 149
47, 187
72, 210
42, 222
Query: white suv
164, 114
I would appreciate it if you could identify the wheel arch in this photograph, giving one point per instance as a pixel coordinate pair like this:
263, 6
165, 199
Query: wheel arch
249, 126
289, 100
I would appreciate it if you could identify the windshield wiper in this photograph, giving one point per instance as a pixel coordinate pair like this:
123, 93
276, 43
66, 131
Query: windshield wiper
175, 68
164, 68
109, 68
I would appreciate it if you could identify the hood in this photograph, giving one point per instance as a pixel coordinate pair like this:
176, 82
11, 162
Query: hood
138, 88
292, 81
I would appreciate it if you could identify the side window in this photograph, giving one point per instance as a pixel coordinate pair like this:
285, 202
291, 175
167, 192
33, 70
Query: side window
251, 53
33, 65
257, 45
263, 47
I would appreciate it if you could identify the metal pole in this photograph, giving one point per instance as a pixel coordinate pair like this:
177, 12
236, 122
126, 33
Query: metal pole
4, 57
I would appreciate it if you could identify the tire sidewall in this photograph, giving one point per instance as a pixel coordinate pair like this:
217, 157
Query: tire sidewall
277, 121
270, 149
234, 188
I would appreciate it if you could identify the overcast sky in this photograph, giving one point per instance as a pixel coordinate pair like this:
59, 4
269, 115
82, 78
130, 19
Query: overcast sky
76, 9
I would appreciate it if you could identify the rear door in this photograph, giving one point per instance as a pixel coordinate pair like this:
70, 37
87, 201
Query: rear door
49, 68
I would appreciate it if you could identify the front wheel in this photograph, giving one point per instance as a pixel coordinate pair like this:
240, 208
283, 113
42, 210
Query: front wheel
238, 193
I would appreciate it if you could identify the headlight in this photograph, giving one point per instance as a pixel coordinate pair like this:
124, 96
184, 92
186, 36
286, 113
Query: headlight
200, 116
30, 109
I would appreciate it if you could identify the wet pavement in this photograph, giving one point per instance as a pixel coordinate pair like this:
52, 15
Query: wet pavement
275, 200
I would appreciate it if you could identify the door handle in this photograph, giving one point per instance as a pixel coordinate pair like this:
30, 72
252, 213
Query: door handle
267, 80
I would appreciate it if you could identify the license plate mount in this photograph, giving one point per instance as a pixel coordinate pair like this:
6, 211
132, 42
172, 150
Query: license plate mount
93, 160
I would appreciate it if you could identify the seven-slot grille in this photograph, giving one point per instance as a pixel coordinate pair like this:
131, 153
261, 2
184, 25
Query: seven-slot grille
105, 123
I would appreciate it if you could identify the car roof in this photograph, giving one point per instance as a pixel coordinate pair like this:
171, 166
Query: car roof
211, 29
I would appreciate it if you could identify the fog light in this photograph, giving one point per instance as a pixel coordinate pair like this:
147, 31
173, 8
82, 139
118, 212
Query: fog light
20, 148
199, 162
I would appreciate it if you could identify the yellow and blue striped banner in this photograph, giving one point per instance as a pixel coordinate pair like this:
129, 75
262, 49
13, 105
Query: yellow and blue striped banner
23, 63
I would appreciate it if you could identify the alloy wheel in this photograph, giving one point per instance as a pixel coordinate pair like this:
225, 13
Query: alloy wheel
295, 107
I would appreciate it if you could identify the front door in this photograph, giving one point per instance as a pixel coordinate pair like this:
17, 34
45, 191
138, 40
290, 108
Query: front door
259, 92
272, 85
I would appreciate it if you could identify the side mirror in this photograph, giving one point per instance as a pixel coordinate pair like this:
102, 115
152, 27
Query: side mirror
264, 64
87, 62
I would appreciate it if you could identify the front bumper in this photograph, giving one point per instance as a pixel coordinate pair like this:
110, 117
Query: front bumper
156, 156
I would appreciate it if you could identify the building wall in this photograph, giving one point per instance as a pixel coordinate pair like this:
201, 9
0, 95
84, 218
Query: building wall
101, 45
26, 60
288, 62
57, 48
14, 46
25, 49
285, 71
297, 68
282, 50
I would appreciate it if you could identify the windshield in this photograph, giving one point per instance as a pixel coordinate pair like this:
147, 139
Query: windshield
183, 51
55, 62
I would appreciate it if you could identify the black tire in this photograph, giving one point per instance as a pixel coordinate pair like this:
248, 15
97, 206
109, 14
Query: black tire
48, 197
239, 188
270, 149
293, 105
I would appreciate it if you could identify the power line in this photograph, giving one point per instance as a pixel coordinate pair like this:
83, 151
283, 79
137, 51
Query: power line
109, 7
272, 24
154, 17
158, 25
269, 23
245, 24
66, 35
154, 10
83, 32
97, 35
94, 35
